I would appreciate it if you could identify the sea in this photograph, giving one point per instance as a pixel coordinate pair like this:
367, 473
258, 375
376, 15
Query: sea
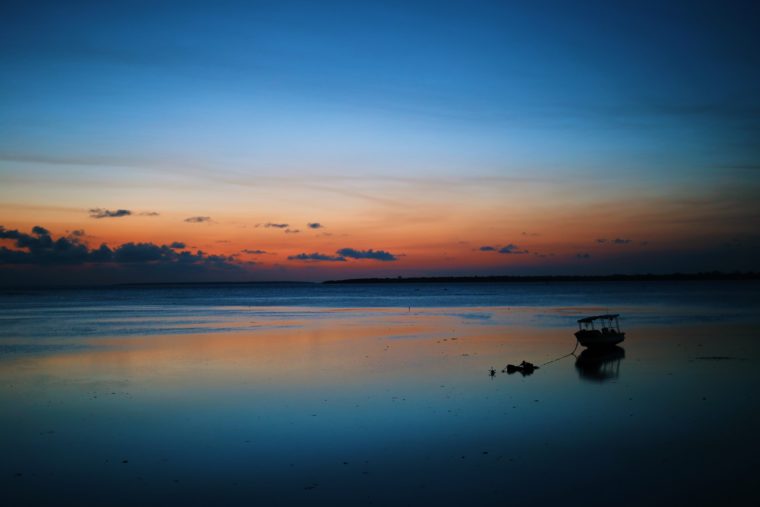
379, 394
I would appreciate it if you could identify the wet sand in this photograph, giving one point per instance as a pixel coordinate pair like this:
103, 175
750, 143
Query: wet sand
383, 407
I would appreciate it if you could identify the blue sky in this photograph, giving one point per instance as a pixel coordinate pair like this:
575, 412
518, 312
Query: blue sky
644, 100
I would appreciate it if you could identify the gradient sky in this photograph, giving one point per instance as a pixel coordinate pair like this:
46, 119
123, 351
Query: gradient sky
422, 138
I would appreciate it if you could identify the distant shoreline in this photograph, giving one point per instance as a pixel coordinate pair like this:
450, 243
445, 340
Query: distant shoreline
671, 277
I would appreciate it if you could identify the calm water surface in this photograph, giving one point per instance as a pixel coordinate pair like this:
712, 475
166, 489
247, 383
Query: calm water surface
372, 395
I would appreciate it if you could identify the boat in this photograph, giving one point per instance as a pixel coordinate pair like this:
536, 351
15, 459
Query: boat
607, 334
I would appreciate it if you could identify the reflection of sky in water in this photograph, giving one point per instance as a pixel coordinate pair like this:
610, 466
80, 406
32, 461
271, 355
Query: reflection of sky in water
346, 406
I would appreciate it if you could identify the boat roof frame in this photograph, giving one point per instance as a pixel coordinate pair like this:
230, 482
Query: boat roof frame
607, 316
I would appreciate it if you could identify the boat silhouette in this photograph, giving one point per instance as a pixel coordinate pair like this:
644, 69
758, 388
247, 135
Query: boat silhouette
607, 335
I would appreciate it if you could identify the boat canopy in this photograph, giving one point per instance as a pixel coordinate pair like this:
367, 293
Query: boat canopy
608, 316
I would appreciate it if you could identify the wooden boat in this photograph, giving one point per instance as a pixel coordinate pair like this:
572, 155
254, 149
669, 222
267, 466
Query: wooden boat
606, 334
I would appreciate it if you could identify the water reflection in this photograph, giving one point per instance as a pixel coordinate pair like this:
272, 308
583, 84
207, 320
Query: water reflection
600, 365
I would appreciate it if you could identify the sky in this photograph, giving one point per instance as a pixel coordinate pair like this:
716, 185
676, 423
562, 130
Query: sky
285, 140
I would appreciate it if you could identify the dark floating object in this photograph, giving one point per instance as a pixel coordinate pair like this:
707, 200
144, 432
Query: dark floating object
492, 372
525, 368
608, 335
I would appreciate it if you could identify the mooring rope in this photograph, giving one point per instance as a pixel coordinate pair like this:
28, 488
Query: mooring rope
566, 355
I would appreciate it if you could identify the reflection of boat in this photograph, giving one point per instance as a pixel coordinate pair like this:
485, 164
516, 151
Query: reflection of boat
607, 335
600, 364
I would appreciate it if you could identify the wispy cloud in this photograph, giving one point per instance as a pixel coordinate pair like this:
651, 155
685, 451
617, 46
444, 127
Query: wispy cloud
106, 213
197, 220
507, 249
511, 249
378, 255
253, 252
616, 241
316, 257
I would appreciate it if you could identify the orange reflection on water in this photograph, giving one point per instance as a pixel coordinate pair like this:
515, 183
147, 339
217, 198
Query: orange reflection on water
327, 348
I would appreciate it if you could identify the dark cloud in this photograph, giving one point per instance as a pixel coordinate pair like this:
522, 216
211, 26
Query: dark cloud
316, 257
616, 241
378, 255
253, 252
106, 213
511, 249
508, 249
142, 252
292, 231
150, 213
39, 248
77, 233
197, 220
177, 245
276, 226
583, 255
315, 225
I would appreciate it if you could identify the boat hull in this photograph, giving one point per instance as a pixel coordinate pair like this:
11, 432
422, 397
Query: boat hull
595, 338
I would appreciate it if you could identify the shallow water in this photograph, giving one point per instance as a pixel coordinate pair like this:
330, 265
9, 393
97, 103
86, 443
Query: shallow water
154, 396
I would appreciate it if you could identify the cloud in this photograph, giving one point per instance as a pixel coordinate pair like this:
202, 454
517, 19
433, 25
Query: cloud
197, 220
318, 257
583, 255
253, 252
177, 245
315, 225
269, 225
106, 213
149, 213
39, 248
616, 241
508, 249
378, 255
292, 231
511, 249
